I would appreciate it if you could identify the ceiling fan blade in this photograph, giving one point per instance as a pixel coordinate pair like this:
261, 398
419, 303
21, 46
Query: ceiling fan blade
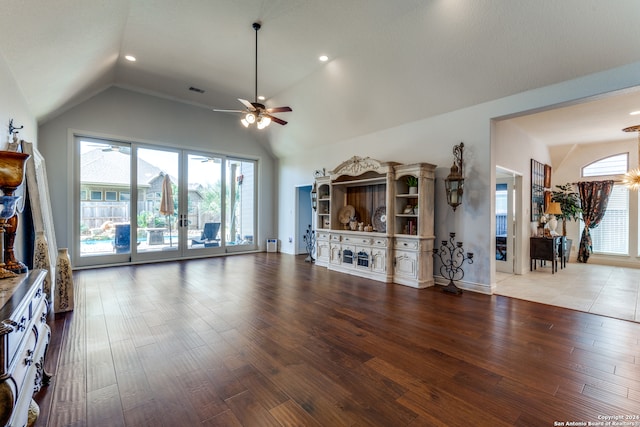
229, 111
279, 110
247, 104
276, 120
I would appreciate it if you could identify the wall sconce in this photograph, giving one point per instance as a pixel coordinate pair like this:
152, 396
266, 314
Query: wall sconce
455, 181
314, 197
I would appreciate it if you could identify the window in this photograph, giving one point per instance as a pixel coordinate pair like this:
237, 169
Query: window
125, 196
612, 165
83, 195
110, 196
96, 195
612, 235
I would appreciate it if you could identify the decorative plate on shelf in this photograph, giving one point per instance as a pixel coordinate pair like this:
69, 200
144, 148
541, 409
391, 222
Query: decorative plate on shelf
346, 213
380, 219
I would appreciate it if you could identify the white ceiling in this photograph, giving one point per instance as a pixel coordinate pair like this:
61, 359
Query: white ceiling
391, 62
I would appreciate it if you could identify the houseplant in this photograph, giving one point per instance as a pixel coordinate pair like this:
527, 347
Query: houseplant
569, 204
412, 182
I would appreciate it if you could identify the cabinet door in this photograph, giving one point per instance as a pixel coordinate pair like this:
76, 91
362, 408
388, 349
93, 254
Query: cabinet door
335, 254
349, 256
362, 259
405, 264
379, 260
322, 251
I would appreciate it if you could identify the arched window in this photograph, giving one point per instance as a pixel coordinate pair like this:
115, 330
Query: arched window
617, 164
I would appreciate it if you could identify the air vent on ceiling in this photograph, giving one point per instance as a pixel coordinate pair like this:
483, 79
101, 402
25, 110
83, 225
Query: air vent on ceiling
195, 89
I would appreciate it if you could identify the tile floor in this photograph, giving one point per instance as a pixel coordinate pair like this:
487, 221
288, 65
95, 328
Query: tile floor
599, 289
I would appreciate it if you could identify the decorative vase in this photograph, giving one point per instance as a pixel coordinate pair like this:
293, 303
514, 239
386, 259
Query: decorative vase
41, 261
63, 300
413, 190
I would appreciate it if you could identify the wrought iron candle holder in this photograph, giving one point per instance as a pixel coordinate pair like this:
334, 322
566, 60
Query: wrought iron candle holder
452, 257
310, 243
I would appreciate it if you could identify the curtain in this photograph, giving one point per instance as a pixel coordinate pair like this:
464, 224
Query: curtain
594, 197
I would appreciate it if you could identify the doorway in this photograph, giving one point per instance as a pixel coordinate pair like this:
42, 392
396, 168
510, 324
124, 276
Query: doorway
508, 226
144, 203
304, 218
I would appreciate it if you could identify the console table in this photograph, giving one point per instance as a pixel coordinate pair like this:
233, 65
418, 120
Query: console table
551, 249
24, 337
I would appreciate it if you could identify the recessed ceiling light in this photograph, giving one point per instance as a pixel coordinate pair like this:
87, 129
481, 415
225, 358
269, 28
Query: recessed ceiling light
261, 98
130, 58
323, 58
634, 113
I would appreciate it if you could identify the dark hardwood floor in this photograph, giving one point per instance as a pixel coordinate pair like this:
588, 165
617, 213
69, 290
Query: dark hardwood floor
269, 340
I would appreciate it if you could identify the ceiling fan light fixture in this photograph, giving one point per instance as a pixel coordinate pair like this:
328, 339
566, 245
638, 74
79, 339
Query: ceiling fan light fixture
250, 118
263, 122
244, 123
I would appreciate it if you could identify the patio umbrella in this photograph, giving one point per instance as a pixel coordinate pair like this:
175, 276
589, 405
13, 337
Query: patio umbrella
166, 202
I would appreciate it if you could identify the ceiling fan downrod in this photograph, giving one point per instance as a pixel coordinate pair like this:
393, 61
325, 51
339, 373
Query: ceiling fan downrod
256, 27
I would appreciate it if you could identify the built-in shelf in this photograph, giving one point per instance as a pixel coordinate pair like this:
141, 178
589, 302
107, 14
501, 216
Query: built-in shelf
399, 248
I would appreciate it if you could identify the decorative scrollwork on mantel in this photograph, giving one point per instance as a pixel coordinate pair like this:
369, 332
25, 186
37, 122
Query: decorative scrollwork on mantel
357, 166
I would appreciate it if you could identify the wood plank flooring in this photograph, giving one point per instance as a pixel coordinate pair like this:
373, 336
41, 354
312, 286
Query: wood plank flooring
269, 340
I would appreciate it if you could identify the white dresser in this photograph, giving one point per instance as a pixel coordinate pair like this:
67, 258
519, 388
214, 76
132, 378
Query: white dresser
24, 337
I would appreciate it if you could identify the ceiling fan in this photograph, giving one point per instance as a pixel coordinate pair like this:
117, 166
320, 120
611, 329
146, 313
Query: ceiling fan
256, 112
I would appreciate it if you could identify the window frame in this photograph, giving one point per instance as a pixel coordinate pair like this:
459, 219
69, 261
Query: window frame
610, 172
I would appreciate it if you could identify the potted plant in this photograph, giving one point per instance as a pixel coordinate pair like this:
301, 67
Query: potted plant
569, 204
412, 182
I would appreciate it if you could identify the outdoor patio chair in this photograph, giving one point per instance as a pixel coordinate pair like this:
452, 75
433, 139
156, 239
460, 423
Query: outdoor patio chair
209, 235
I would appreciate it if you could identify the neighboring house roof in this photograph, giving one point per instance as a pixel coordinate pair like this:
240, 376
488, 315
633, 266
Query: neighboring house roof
112, 167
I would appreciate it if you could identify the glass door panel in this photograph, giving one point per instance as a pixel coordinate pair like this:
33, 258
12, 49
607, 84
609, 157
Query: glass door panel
203, 217
240, 206
103, 202
139, 202
157, 206
505, 220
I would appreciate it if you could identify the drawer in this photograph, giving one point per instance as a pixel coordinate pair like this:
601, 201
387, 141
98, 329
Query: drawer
322, 236
19, 326
380, 242
407, 244
356, 240
336, 237
27, 314
38, 297
40, 318
26, 358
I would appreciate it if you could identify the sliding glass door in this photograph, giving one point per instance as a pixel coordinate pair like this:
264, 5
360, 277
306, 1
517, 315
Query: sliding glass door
138, 203
202, 220
103, 227
157, 203
240, 206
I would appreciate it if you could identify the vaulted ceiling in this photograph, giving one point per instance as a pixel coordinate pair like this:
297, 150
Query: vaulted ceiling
390, 62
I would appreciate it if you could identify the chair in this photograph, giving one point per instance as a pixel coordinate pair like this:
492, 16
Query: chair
122, 238
209, 235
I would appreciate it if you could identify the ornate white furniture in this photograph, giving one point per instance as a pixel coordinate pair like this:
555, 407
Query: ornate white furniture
24, 337
393, 239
